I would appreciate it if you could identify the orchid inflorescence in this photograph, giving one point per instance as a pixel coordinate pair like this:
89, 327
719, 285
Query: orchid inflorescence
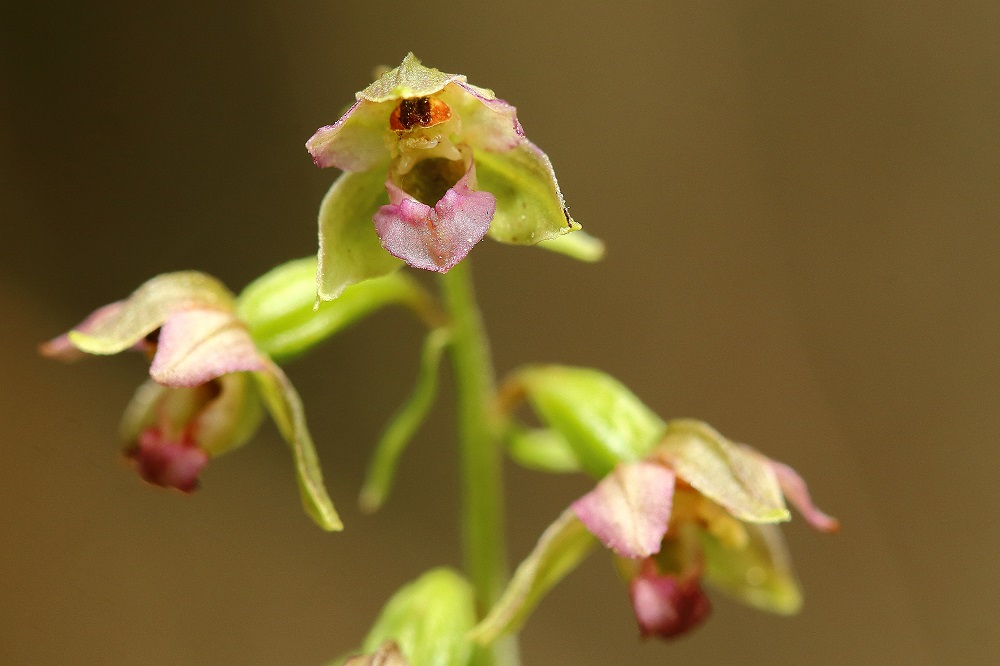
432, 164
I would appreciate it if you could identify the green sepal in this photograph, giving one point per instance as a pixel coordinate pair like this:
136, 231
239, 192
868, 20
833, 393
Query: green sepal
561, 548
280, 306
603, 421
228, 420
285, 406
530, 206
542, 449
410, 79
349, 248
736, 477
578, 245
405, 423
148, 307
759, 574
429, 619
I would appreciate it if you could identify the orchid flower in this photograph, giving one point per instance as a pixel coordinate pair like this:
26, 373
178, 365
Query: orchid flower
696, 486
207, 382
431, 165
676, 503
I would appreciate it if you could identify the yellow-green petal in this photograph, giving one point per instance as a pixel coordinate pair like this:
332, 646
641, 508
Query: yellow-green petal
349, 249
530, 205
739, 479
759, 574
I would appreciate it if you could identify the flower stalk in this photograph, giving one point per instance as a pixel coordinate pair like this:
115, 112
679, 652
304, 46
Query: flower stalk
484, 549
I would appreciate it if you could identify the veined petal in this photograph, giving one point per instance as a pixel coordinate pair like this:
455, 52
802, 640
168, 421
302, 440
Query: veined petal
630, 508
488, 123
739, 480
349, 249
197, 345
356, 142
410, 79
530, 206
117, 329
797, 493
435, 239
285, 406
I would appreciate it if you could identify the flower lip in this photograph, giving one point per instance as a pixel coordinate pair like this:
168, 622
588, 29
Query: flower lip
166, 463
422, 111
435, 237
666, 606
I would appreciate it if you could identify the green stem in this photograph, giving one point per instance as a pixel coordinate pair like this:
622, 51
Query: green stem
481, 455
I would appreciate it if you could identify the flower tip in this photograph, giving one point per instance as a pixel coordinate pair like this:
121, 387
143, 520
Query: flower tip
167, 464
370, 500
666, 607
60, 349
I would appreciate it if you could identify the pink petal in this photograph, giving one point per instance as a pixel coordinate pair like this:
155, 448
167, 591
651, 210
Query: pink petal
796, 491
64, 350
437, 238
169, 464
197, 345
356, 142
630, 508
488, 123
665, 606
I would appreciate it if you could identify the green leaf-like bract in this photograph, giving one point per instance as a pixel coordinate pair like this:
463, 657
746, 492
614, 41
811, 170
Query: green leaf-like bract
563, 545
404, 424
286, 409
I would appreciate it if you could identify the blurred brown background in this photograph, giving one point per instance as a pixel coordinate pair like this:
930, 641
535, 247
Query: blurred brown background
800, 203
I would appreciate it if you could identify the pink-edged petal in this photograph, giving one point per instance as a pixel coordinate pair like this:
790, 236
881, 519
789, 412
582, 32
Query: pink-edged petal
665, 606
197, 345
488, 123
167, 463
796, 491
630, 508
356, 142
117, 329
435, 239
61, 348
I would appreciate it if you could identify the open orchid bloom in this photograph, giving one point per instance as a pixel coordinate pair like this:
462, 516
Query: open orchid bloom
682, 504
431, 165
208, 382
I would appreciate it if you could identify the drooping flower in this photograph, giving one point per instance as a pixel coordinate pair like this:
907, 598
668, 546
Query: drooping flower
676, 503
696, 486
431, 165
208, 381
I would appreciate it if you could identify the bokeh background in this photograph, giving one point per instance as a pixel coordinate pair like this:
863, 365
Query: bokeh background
800, 204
